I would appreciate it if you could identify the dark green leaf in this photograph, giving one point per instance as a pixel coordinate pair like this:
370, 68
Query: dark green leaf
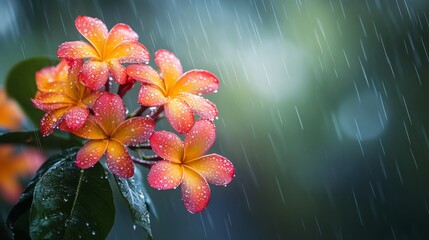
21, 84
131, 190
34, 138
70, 203
18, 218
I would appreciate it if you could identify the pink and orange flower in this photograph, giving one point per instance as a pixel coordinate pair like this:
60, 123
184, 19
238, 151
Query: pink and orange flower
178, 92
108, 132
52, 79
71, 96
66, 101
14, 164
185, 163
105, 50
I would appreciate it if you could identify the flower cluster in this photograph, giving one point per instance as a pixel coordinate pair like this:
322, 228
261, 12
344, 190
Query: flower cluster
14, 163
77, 98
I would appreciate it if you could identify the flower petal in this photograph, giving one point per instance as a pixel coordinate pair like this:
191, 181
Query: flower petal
167, 145
11, 115
89, 130
195, 191
199, 139
179, 114
130, 52
52, 97
94, 30
169, 65
118, 34
134, 130
48, 106
90, 98
94, 74
75, 117
52, 78
197, 82
214, 168
50, 121
165, 175
90, 153
109, 112
200, 105
119, 160
117, 71
76, 50
145, 74
150, 95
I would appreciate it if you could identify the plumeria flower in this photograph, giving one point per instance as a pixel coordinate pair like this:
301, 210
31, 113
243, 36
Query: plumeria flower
108, 132
52, 78
106, 50
11, 116
70, 105
178, 92
185, 163
13, 166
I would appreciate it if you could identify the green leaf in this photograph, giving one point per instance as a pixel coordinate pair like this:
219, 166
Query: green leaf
71, 203
132, 191
21, 84
18, 218
34, 138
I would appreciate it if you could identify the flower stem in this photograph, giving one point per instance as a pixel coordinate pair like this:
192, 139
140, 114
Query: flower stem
157, 114
138, 112
142, 162
124, 88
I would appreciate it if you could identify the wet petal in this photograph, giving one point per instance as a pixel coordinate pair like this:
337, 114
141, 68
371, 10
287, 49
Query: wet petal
76, 50
197, 82
199, 139
165, 175
95, 74
90, 98
109, 112
145, 74
151, 95
50, 121
214, 168
130, 52
200, 105
48, 106
75, 117
169, 65
118, 72
52, 97
119, 160
90, 153
179, 114
167, 145
90, 129
195, 191
94, 30
134, 131
118, 34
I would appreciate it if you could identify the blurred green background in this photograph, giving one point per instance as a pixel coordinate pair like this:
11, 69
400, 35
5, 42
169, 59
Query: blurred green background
323, 109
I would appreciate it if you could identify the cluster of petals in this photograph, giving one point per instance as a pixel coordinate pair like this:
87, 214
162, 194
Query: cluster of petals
185, 163
178, 92
63, 97
109, 132
70, 94
106, 51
